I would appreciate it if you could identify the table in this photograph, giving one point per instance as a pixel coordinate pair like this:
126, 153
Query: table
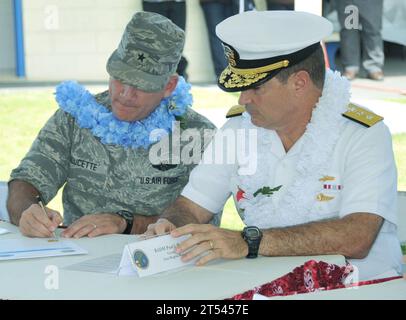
25, 279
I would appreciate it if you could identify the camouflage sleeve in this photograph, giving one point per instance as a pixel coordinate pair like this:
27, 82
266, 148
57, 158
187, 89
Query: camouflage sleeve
46, 164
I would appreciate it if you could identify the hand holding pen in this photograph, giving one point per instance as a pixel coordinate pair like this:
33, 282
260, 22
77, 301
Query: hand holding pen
39, 221
39, 200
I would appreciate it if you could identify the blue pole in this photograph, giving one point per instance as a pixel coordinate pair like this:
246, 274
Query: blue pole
19, 38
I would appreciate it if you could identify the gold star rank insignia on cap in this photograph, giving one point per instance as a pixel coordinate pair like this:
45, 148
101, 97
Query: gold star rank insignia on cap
362, 116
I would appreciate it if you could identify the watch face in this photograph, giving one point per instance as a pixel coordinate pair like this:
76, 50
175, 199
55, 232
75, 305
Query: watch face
252, 232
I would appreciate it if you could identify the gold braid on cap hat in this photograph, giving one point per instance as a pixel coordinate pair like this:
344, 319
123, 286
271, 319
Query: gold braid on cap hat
264, 69
237, 78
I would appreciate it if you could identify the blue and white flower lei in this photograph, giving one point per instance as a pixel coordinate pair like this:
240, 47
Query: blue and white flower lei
74, 99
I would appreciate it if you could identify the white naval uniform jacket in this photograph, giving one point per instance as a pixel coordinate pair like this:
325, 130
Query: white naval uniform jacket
364, 177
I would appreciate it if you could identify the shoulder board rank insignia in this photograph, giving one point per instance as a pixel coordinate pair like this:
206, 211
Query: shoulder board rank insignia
235, 111
362, 116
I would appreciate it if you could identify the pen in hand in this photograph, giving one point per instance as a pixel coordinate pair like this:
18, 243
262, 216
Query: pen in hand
43, 209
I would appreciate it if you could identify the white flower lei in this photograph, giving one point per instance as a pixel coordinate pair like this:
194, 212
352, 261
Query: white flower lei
319, 141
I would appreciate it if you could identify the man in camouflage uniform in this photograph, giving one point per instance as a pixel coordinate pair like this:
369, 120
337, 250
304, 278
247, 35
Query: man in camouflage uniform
109, 188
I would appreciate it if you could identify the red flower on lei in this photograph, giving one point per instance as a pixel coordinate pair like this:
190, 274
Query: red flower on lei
240, 194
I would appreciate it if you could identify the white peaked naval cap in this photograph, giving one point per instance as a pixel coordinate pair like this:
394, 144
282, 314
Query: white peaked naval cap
259, 44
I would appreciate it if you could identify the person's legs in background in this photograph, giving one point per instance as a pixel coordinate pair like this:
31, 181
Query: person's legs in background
350, 45
280, 4
176, 12
157, 7
248, 5
214, 13
371, 37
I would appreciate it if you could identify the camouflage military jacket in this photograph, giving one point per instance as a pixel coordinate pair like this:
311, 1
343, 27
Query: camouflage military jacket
100, 177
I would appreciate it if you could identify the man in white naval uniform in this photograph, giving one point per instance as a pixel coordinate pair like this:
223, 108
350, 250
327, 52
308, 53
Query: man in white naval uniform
325, 179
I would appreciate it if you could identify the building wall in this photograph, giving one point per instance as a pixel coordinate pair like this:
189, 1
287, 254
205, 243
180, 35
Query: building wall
7, 42
73, 39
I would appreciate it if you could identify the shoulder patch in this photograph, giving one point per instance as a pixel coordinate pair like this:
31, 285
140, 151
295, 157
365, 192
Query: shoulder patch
235, 111
362, 116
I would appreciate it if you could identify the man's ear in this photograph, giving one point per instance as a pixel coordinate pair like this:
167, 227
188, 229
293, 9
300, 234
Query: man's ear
171, 85
301, 81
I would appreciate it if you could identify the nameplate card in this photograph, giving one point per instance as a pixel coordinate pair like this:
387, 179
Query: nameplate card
152, 256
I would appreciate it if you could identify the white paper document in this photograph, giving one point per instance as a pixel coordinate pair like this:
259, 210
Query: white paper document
11, 249
104, 264
151, 256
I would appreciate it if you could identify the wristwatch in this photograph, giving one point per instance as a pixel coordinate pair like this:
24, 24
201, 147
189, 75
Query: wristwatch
252, 236
129, 218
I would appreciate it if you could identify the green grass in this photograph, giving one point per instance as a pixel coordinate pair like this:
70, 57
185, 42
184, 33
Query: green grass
23, 113
204, 98
397, 100
399, 147
403, 247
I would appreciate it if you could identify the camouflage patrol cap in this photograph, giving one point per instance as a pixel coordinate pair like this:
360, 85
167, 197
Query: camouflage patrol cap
148, 53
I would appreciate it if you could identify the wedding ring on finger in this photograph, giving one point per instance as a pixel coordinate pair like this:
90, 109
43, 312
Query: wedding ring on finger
211, 245
94, 225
